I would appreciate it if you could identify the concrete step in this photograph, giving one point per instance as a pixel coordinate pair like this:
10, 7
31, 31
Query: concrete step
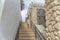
28, 35
25, 31
26, 38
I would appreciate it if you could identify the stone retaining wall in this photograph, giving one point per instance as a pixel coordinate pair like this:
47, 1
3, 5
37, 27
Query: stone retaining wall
52, 19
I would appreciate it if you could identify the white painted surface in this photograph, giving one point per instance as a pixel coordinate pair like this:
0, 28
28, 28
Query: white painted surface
1, 8
0, 19
10, 20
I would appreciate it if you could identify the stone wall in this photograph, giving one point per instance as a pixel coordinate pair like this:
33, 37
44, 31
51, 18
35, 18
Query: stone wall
34, 15
52, 19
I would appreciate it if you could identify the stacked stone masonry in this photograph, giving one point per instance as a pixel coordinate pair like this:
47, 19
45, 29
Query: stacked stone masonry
52, 19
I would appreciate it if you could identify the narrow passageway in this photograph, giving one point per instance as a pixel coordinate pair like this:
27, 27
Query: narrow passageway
26, 33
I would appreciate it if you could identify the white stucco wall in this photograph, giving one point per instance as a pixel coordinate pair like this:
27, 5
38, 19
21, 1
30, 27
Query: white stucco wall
1, 8
0, 19
10, 20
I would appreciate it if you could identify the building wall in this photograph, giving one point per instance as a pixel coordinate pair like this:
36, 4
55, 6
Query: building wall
52, 19
10, 20
34, 15
1, 8
38, 16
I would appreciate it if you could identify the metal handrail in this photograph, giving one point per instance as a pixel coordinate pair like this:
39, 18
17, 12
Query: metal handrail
40, 34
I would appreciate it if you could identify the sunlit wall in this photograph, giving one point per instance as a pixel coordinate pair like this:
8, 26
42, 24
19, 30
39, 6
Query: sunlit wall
1, 8
9, 19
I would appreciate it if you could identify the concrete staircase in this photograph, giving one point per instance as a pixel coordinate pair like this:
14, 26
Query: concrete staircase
26, 33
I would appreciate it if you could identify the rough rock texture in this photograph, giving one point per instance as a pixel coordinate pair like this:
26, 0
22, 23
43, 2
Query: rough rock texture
52, 19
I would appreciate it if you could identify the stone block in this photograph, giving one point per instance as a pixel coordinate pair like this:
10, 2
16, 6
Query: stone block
57, 26
57, 18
